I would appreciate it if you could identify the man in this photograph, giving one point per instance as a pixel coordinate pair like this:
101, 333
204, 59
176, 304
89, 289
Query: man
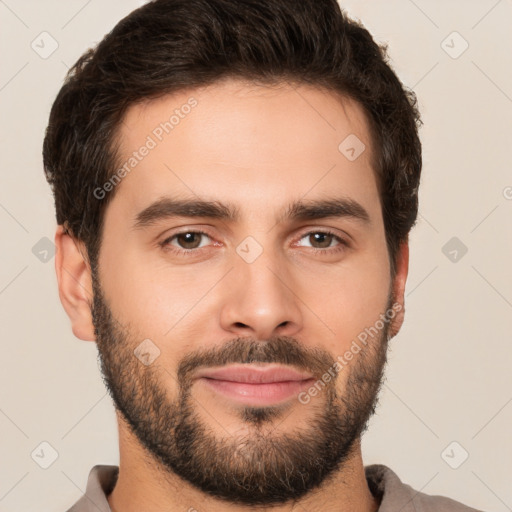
235, 181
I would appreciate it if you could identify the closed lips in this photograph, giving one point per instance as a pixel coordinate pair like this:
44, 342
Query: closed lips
251, 374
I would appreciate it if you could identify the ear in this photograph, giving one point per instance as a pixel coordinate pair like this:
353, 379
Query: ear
75, 283
402, 269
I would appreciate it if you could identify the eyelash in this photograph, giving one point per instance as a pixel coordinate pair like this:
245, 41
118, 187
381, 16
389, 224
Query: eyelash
343, 244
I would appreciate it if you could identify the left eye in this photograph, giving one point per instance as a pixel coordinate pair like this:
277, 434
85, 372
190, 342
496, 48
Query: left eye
324, 238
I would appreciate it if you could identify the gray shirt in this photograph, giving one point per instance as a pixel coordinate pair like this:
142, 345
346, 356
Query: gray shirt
394, 496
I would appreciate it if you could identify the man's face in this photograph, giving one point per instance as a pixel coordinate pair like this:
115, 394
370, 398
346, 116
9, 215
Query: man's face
267, 288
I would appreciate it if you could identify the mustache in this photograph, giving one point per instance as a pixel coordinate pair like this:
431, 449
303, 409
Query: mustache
281, 349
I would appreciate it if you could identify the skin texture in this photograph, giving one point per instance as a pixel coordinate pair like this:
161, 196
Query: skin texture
259, 148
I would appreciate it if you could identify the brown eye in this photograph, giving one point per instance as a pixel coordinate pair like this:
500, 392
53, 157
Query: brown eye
323, 239
187, 241
190, 240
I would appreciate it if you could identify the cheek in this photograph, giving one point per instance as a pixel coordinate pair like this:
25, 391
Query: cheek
163, 305
135, 292
352, 300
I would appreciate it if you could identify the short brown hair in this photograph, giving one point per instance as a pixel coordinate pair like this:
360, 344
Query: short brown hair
170, 45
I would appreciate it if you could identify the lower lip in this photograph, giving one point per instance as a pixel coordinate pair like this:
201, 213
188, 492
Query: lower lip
258, 394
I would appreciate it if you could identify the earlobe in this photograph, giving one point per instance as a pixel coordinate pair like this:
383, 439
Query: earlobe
402, 269
75, 283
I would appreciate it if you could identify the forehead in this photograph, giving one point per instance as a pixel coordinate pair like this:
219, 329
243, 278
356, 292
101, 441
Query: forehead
250, 144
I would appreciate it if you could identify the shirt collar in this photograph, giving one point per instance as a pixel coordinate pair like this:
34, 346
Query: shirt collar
101, 482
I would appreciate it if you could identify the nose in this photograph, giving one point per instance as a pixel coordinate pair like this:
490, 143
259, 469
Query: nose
260, 300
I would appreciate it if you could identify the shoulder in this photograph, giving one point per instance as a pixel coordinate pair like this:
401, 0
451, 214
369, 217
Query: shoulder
395, 495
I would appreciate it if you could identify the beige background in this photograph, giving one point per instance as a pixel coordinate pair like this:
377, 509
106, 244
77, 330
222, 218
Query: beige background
448, 377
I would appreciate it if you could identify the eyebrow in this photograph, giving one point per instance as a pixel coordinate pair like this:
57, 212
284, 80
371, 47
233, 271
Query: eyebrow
168, 207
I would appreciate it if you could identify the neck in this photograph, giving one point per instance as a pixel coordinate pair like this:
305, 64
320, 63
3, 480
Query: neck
144, 485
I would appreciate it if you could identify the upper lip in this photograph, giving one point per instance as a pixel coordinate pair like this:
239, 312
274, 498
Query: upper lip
254, 374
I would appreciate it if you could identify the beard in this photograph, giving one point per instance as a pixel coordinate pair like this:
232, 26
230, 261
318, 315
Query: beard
265, 465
